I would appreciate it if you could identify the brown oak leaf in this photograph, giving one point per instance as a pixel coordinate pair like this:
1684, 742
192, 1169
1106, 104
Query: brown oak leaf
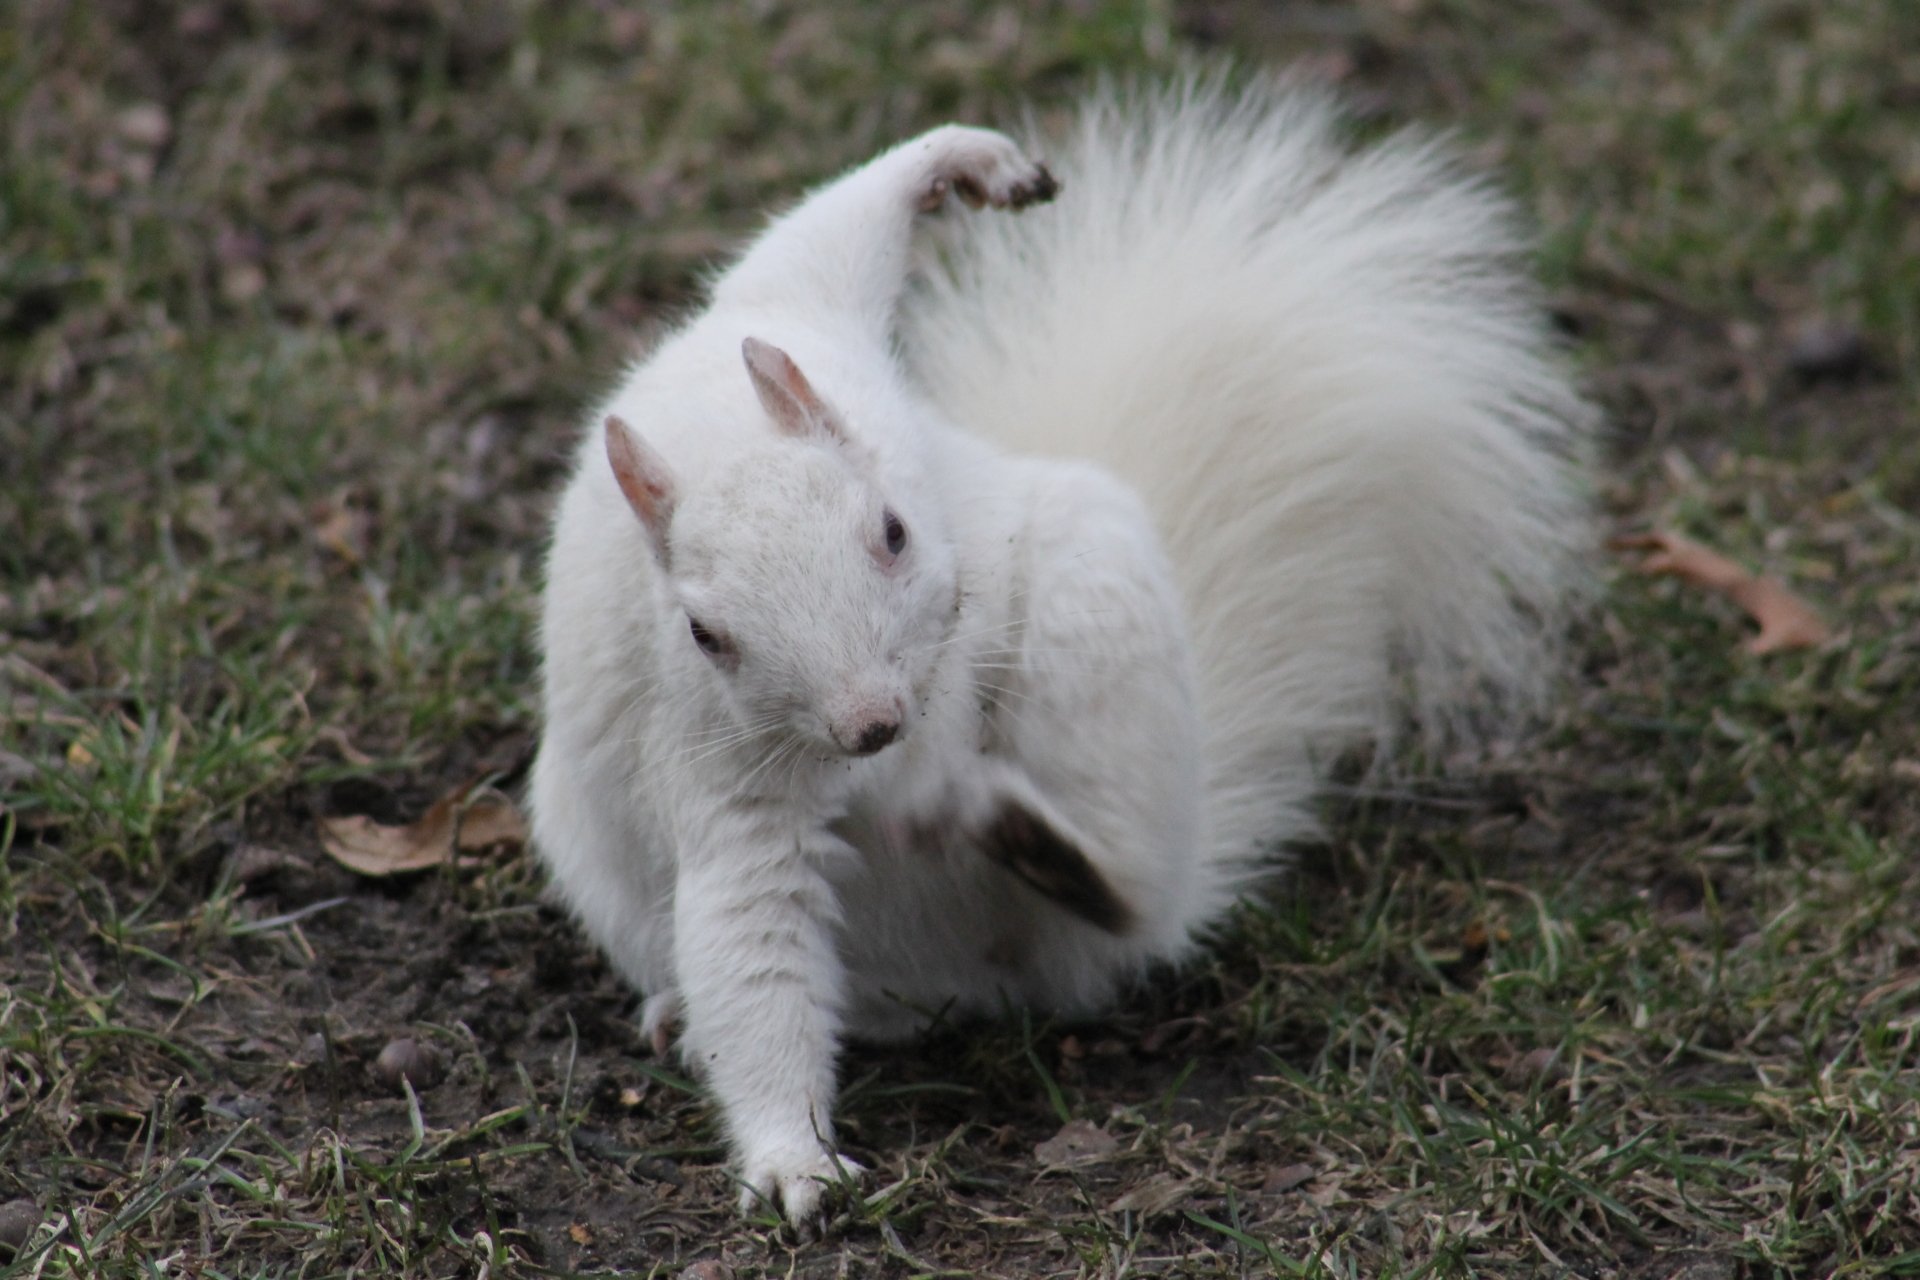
466, 821
1786, 621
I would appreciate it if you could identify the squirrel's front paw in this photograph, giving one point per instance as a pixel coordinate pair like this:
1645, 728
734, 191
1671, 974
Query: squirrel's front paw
983, 167
795, 1185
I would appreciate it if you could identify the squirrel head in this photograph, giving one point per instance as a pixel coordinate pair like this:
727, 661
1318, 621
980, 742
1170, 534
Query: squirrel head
816, 592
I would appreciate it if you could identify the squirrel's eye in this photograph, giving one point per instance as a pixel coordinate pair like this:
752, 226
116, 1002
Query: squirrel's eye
896, 534
711, 643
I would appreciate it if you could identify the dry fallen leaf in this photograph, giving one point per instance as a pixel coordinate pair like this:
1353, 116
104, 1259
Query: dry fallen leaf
1078, 1142
1155, 1196
1287, 1177
580, 1234
1786, 621
466, 820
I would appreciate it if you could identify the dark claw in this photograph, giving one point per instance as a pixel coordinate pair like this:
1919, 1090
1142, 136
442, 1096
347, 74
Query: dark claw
1042, 187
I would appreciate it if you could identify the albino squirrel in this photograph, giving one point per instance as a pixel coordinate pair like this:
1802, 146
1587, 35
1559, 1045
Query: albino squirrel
929, 633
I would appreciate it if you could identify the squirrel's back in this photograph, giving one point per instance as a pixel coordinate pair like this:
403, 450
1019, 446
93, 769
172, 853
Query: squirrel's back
1325, 370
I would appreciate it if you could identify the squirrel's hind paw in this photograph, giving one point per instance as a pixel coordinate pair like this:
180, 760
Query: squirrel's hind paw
984, 168
659, 1019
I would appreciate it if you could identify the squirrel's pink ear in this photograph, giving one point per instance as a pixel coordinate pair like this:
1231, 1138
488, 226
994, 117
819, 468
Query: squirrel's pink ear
796, 408
644, 479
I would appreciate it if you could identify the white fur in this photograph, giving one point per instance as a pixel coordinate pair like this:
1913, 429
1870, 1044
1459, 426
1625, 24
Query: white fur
1342, 462
1327, 376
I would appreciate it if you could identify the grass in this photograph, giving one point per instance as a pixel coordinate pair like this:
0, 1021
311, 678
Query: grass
298, 305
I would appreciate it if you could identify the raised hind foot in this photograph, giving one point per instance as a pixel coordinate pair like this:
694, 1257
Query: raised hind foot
981, 167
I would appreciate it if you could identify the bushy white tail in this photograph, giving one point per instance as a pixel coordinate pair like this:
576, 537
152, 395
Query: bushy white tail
1326, 372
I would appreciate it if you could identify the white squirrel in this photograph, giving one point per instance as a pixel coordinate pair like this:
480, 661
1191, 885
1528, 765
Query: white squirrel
926, 634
